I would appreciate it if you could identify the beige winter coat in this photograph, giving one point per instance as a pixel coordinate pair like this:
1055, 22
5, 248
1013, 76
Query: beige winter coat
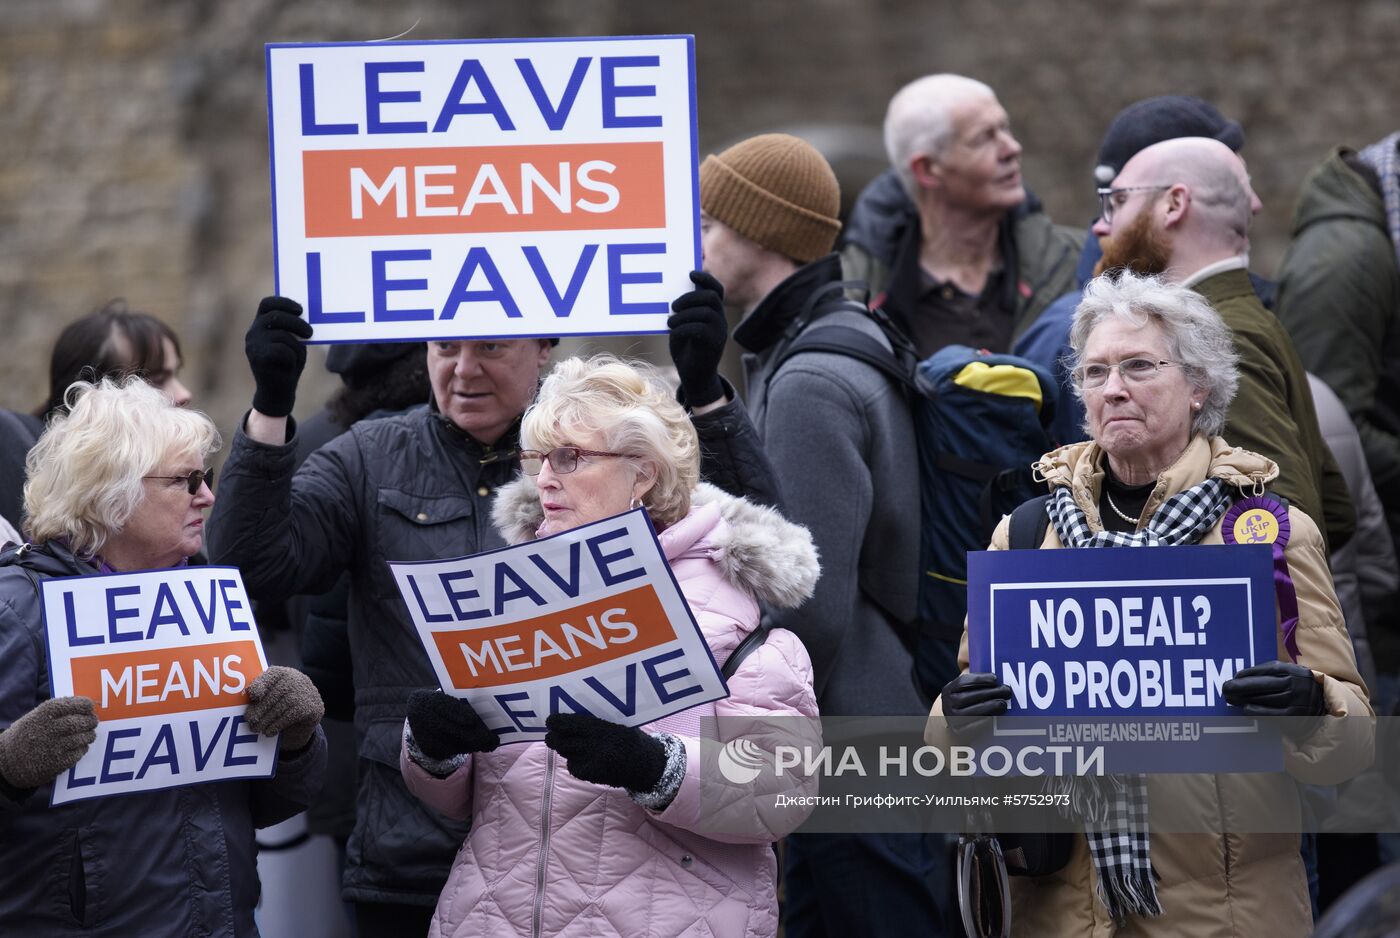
1213, 885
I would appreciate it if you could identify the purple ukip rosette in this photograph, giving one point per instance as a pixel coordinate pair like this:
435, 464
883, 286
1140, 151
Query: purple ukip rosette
1260, 519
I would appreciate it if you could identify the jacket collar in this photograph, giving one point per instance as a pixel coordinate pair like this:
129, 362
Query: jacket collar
1079, 467
503, 449
1224, 286
51, 558
884, 214
1237, 262
770, 319
755, 548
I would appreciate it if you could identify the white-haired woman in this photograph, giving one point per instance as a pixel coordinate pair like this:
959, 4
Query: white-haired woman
602, 829
119, 483
1156, 369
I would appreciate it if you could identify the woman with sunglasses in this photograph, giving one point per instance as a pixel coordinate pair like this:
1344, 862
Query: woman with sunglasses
117, 484
1156, 368
601, 829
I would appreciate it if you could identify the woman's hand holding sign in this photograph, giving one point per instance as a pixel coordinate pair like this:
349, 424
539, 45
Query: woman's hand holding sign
444, 727
46, 741
283, 700
607, 753
970, 698
1279, 689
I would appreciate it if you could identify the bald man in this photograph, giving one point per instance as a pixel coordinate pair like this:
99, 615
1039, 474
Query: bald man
1181, 209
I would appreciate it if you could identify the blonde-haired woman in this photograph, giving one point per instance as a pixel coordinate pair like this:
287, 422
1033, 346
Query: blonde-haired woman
601, 829
119, 484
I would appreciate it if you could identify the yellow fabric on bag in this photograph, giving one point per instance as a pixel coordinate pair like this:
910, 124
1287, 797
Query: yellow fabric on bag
1007, 380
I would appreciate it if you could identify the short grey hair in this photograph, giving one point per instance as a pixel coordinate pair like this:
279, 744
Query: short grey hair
919, 120
635, 411
85, 472
1197, 338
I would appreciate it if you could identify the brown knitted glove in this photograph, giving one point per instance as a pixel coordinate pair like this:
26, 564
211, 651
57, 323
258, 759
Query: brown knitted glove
47, 741
283, 700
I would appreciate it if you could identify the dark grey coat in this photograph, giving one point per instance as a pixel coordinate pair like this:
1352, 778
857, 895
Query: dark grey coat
839, 435
179, 862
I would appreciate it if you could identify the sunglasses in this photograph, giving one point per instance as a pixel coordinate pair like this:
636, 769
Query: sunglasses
193, 481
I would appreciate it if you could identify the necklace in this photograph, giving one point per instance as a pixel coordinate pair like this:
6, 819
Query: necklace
1116, 510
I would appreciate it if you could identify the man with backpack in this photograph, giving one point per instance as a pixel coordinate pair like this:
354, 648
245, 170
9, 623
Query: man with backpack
839, 434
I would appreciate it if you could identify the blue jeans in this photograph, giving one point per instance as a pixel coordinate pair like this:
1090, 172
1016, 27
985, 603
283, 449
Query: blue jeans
867, 884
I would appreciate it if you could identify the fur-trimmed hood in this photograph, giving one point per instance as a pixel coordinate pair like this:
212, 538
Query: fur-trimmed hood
757, 550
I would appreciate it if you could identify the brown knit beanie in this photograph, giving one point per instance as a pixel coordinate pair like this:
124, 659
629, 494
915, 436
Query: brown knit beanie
777, 190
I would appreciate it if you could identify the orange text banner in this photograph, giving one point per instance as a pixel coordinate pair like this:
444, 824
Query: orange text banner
167, 680
452, 190
549, 646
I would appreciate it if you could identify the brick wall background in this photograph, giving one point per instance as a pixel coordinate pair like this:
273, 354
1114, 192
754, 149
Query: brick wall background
133, 149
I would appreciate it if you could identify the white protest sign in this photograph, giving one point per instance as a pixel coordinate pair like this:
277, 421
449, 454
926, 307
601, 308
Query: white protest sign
166, 656
587, 621
473, 189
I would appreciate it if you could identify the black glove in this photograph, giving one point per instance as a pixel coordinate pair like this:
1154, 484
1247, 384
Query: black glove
606, 753
971, 700
698, 332
446, 726
975, 695
1279, 689
276, 355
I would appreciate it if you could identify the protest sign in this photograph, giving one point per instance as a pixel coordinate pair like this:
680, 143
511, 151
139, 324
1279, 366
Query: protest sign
1115, 633
166, 657
473, 189
586, 621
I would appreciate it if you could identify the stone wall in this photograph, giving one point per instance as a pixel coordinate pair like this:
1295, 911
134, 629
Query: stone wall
133, 149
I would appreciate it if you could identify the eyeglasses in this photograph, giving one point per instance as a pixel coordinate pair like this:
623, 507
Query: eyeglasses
1110, 200
562, 459
193, 481
1135, 370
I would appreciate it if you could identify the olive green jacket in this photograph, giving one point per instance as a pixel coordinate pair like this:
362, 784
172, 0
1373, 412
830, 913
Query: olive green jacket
1273, 412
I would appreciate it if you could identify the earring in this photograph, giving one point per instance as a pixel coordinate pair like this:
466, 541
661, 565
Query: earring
636, 503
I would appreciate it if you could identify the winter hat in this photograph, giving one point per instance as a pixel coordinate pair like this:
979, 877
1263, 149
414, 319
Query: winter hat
777, 190
1152, 120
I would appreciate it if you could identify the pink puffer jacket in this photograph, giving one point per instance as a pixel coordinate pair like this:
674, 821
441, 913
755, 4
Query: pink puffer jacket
551, 855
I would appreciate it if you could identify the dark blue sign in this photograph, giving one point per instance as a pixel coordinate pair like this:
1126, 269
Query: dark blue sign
1106, 634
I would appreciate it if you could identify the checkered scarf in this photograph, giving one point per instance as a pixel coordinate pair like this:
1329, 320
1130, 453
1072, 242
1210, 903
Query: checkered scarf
1115, 811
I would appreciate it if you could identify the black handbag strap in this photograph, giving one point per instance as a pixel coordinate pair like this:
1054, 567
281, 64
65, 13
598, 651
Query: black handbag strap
1029, 523
745, 648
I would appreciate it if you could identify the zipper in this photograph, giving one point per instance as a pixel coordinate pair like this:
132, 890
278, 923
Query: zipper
537, 916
